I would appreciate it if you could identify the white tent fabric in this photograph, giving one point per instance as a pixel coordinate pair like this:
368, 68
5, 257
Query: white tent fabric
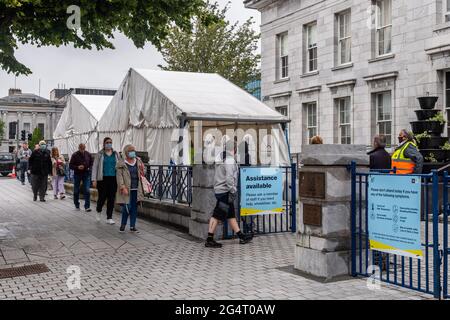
78, 121
149, 104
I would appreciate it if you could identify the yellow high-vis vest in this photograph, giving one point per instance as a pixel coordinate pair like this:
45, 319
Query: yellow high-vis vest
403, 164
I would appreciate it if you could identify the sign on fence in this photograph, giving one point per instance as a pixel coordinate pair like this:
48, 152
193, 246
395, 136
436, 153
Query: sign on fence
394, 214
261, 191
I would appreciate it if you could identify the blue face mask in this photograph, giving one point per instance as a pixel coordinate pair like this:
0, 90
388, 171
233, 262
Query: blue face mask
132, 154
43, 147
108, 146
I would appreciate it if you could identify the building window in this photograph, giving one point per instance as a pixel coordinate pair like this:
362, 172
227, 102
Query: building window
344, 122
12, 130
283, 57
283, 110
27, 126
384, 115
344, 37
383, 27
311, 45
311, 120
41, 127
447, 10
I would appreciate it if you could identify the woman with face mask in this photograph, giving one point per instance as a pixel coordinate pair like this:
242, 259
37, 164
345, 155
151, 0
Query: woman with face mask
104, 179
130, 189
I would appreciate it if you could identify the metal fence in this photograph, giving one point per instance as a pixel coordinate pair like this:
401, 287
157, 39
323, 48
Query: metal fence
416, 274
271, 223
172, 183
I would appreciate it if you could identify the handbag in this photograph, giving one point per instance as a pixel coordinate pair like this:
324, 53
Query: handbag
146, 185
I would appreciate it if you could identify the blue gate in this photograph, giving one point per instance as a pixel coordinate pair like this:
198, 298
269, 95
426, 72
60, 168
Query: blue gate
421, 275
272, 223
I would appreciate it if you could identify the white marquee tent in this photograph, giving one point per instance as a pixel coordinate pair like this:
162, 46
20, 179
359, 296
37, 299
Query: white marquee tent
78, 122
150, 106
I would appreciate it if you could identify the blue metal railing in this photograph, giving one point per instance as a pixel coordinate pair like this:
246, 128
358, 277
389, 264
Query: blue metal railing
399, 270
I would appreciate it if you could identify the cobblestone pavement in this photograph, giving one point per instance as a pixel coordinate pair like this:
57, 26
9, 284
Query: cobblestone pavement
158, 263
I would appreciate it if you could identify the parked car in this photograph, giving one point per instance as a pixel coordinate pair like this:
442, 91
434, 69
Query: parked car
7, 163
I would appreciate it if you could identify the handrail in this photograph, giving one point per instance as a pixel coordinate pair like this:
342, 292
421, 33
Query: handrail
444, 167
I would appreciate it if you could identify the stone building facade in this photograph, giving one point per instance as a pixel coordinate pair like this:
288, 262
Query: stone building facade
31, 111
349, 69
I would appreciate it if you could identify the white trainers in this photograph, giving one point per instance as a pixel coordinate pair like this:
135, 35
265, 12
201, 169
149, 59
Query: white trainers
110, 221
98, 216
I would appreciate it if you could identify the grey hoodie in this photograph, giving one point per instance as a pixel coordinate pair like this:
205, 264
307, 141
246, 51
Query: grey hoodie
225, 176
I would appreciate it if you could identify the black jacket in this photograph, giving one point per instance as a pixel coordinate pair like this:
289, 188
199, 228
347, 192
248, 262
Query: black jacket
78, 159
40, 163
379, 159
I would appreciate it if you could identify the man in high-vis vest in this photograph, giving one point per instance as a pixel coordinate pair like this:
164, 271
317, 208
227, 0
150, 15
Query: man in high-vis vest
406, 157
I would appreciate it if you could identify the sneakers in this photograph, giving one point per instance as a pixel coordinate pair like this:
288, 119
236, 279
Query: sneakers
246, 238
35, 198
110, 221
42, 200
98, 216
211, 243
88, 209
134, 230
122, 228
62, 197
56, 197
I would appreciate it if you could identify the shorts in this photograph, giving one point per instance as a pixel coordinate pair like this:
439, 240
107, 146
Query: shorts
223, 210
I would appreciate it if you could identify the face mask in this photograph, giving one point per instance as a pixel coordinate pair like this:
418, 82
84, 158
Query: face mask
108, 146
43, 146
132, 154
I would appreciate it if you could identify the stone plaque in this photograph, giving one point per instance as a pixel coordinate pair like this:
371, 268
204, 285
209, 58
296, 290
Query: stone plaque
312, 185
312, 214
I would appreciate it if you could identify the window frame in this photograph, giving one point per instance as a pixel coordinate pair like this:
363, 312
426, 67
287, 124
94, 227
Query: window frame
446, 11
345, 38
378, 27
283, 60
315, 127
311, 49
285, 108
384, 121
346, 103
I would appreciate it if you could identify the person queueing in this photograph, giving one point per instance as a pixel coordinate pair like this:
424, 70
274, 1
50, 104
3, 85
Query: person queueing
104, 179
81, 163
58, 174
130, 190
379, 157
406, 158
225, 189
24, 157
41, 166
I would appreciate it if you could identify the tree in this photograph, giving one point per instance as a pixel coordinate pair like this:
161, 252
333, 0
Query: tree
37, 136
52, 22
216, 47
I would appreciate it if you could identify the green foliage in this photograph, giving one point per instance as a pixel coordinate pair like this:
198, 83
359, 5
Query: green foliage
37, 136
216, 46
44, 23
431, 158
438, 117
2, 129
446, 146
422, 135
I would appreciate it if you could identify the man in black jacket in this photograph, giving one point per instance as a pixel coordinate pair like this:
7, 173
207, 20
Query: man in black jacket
41, 166
379, 157
81, 163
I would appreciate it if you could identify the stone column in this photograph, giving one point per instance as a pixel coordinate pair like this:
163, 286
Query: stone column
47, 126
324, 234
33, 122
203, 201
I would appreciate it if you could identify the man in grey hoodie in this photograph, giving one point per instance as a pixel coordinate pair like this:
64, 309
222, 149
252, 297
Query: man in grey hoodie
24, 155
225, 189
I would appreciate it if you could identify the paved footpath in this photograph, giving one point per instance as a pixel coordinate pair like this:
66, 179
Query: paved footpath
158, 263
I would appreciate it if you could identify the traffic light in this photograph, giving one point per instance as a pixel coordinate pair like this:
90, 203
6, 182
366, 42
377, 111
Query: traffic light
22, 135
30, 136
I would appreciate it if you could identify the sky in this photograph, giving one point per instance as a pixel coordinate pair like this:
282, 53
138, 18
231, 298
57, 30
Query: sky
91, 68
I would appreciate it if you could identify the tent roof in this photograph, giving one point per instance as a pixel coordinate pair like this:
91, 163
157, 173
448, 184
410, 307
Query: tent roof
208, 96
96, 105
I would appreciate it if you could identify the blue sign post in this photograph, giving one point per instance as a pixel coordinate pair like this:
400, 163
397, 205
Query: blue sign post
394, 203
261, 191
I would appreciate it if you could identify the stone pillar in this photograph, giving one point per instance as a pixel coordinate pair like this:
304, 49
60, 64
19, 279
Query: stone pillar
203, 201
323, 233
33, 122
47, 126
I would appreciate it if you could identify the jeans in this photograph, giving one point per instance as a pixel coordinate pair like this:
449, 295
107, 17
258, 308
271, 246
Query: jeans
23, 171
130, 210
86, 179
107, 193
39, 185
58, 185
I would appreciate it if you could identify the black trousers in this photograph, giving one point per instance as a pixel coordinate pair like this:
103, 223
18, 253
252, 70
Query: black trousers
107, 193
39, 185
